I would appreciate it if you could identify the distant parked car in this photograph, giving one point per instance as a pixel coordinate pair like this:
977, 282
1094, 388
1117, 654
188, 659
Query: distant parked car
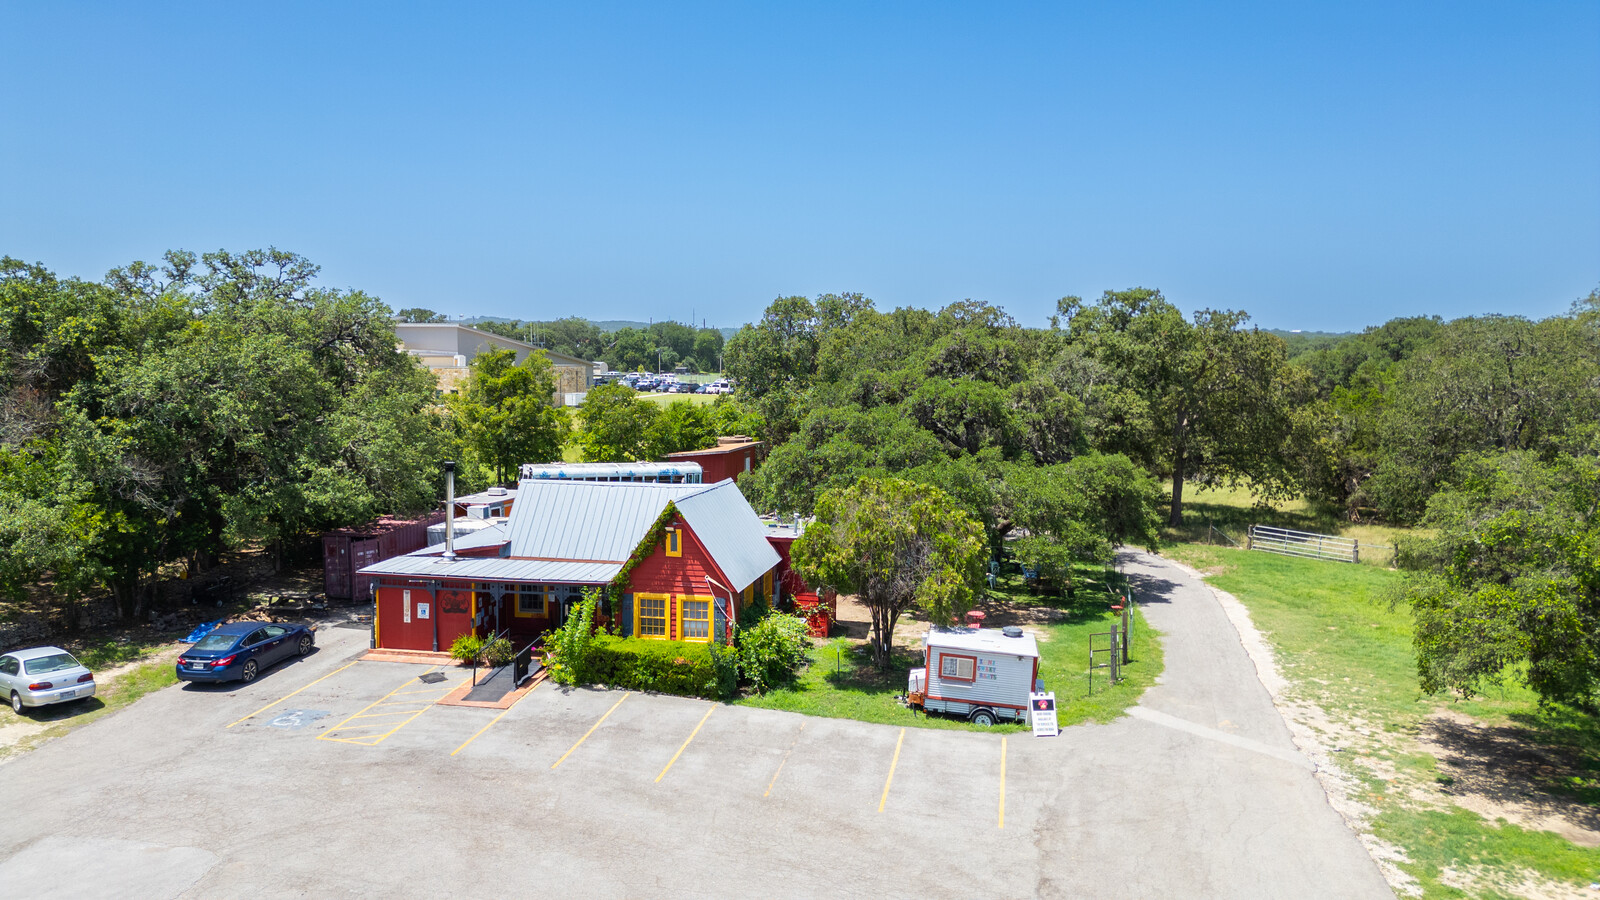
42, 676
719, 387
239, 651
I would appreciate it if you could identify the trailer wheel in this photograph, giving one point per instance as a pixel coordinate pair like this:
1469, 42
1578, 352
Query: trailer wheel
983, 717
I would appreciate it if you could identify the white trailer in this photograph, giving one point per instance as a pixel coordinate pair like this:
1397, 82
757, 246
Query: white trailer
983, 675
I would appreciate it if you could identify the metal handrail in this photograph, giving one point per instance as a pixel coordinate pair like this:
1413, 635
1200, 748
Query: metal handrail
504, 633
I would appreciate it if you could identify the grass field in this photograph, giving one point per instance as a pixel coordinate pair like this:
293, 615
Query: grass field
1346, 648
843, 683
1222, 516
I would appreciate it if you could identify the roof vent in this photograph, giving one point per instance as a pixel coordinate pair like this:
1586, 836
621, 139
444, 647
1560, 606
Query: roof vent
497, 492
1012, 631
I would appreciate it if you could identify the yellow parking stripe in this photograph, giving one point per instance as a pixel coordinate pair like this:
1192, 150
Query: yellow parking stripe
496, 719
784, 760
292, 693
686, 742
1002, 782
406, 715
590, 731
892, 763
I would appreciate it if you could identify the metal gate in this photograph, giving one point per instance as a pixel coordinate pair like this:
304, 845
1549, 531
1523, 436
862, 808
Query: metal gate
1306, 544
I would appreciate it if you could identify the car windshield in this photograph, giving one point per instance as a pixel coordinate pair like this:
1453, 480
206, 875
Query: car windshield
216, 642
55, 662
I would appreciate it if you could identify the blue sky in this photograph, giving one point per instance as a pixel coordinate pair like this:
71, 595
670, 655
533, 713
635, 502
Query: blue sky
1321, 166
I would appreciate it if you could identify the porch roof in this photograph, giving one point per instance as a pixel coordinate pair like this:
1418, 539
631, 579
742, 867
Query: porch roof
468, 568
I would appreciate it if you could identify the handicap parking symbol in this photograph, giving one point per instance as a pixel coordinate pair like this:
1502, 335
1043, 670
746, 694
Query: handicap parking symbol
297, 718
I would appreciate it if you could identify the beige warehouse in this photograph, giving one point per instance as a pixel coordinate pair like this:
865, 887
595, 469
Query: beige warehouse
447, 349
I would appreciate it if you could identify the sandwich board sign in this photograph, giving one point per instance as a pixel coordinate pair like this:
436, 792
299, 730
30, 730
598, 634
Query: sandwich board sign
1042, 714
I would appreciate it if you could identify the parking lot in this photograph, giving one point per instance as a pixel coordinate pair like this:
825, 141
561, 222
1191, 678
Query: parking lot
331, 776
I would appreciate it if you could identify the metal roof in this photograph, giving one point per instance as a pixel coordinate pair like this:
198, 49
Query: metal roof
494, 568
724, 522
593, 520
986, 640
483, 537
491, 496
582, 532
713, 451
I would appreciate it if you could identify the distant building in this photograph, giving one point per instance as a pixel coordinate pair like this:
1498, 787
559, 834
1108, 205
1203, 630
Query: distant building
733, 457
448, 348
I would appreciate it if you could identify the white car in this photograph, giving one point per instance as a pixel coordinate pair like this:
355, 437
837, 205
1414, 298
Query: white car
41, 676
719, 387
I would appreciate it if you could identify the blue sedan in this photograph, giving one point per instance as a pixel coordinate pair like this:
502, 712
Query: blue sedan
241, 650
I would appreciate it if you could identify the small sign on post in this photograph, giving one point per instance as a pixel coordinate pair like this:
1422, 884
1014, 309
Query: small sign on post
1042, 714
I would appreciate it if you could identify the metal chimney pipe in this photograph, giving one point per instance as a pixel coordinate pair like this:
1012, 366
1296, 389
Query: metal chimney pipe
449, 509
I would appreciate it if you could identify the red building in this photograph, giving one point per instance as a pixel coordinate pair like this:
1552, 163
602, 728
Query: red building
732, 457
695, 555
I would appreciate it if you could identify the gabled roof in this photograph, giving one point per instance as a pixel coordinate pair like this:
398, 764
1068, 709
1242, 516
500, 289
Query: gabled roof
588, 520
731, 531
584, 531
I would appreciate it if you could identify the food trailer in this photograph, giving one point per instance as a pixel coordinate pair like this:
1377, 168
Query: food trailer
981, 674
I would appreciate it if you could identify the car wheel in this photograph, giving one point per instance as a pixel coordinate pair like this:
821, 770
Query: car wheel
305, 644
248, 673
982, 717
16, 703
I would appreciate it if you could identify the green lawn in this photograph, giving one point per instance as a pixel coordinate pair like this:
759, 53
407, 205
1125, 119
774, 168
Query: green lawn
1345, 647
843, 683
1221, 516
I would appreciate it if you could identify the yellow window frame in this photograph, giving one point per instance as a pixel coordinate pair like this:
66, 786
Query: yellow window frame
674, 542
639, 617
540, 598
710, 617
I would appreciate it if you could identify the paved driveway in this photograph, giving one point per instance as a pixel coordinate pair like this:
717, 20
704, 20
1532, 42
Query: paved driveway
328, 778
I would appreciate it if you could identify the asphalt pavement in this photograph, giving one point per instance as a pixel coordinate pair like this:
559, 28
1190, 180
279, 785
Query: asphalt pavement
330, 777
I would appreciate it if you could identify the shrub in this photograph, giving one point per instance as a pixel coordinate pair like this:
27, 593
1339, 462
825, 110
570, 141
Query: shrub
572, 645
467, 648
671, 667
755, 612
499, 652
725, 661
772, 653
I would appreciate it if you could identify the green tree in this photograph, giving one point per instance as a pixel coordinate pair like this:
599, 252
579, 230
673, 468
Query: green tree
506, 415
1483, 384
1079, 511
1208, 400
894, 544
419, 314
1506, 581
681, 425
616, 425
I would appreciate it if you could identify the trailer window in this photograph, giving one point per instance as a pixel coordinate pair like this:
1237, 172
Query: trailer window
957, 667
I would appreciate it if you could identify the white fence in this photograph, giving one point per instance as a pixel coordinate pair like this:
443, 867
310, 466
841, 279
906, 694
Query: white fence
1303, 543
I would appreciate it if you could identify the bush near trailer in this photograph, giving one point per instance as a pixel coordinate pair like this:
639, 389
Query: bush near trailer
773, 651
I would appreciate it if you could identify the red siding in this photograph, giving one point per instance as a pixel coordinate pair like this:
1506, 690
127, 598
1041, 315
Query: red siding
678, 576
449, 608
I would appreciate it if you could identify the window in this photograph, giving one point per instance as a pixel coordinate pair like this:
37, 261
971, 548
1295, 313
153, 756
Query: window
674, 542
274, 631
652, 616
694, 619
530, 600
9, 665
958, 667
